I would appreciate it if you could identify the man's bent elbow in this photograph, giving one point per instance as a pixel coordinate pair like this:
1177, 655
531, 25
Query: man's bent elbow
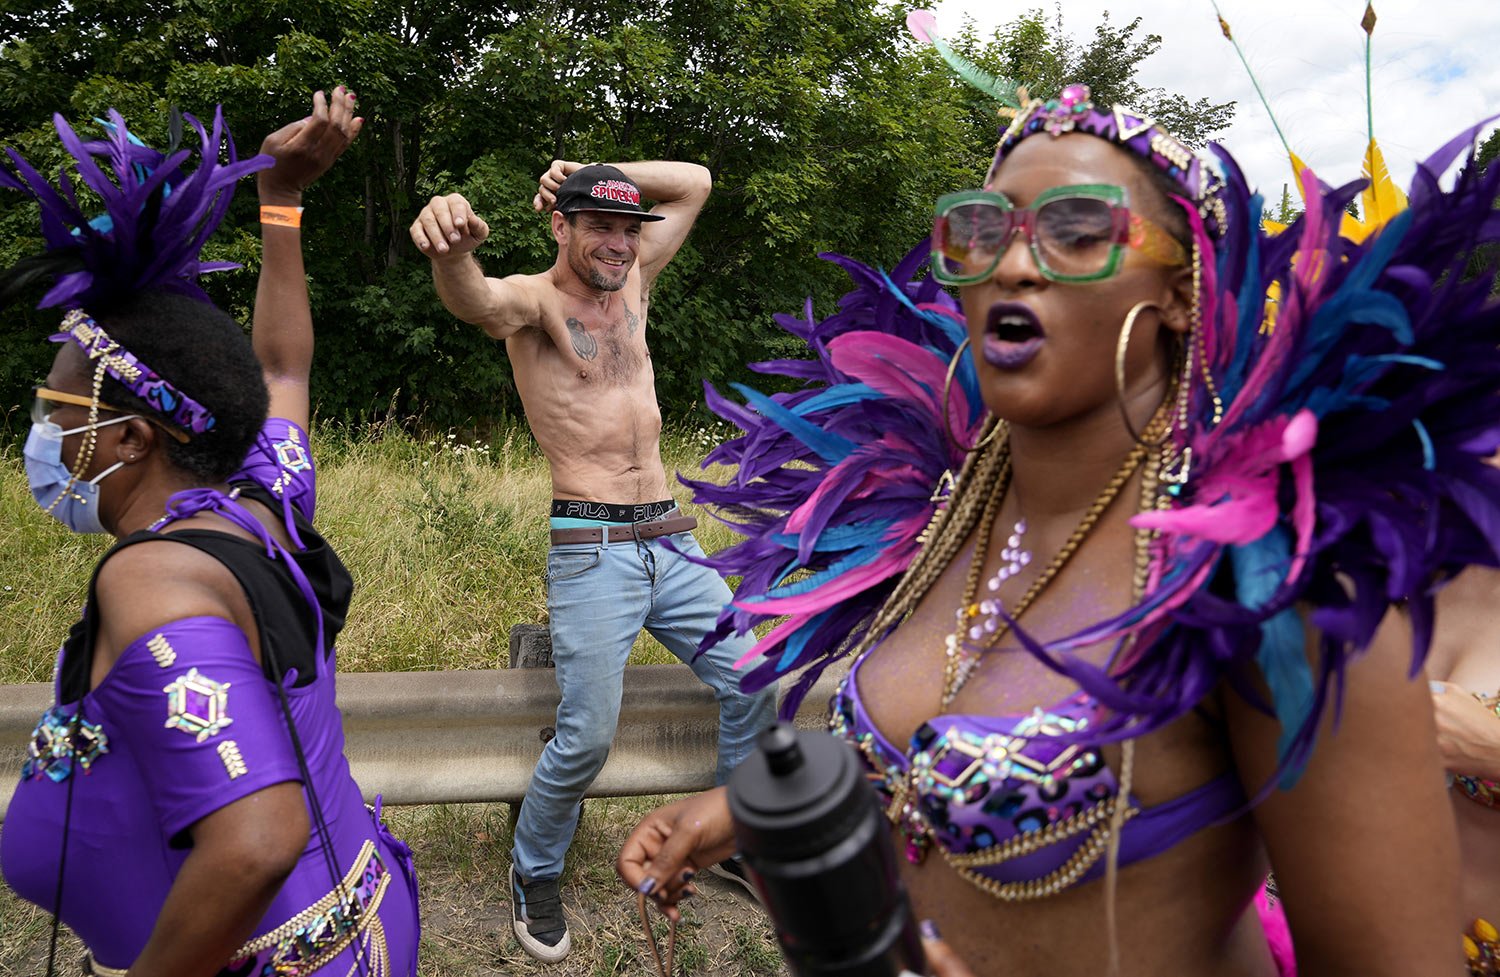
700, 181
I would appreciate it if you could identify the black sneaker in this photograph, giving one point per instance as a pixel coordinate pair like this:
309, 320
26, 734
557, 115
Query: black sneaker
733, 870
537, 918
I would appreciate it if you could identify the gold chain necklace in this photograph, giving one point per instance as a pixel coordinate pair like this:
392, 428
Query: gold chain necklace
960, 663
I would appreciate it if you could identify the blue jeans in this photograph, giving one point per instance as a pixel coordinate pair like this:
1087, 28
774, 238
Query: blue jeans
599, 596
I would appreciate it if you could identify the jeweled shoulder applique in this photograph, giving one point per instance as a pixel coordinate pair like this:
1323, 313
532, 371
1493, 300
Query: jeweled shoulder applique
161, 649
197, 705
234, 761
292, 457
56, 744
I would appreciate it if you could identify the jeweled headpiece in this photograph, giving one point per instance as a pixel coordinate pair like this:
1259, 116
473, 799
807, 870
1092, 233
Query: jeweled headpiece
1073, 111
157, 215
117, 361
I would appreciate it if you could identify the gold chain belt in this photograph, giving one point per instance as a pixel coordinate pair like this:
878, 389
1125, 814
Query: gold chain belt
317, 934
329, 926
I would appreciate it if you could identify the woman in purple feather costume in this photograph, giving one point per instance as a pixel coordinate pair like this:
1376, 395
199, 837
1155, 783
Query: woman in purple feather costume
186, 807
1165, 629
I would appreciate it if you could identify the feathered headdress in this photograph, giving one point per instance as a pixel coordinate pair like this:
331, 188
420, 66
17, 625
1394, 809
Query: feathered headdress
157, 215
1343, 472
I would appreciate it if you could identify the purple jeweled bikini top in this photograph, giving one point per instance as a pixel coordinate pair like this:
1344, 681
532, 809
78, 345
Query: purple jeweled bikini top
1015, 809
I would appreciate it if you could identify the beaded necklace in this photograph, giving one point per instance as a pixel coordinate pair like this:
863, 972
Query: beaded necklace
960, 662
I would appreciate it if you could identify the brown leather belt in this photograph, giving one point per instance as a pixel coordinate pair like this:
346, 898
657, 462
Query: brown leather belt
624, 534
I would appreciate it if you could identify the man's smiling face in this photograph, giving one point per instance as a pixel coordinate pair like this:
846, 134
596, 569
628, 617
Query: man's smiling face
602, 247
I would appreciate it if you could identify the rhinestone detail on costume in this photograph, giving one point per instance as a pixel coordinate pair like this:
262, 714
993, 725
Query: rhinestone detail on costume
292, 457
234, 762
1486, 792
55, 745
198, 705
1482, 949
161, 649
958, 783
322, 931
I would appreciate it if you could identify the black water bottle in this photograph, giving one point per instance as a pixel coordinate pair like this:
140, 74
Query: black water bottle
819, 851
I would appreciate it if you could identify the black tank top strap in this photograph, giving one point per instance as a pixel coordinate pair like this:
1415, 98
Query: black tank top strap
287, 622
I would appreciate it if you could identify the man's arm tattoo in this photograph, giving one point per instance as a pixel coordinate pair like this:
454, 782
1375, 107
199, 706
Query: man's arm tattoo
632, 321
583, 344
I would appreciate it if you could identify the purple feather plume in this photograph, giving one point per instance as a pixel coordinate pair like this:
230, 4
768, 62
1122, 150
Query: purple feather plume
1346, 476
831, 525
157, 213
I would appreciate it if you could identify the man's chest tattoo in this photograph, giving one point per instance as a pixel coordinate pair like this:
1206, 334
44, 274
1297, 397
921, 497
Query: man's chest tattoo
632, 321
584, 345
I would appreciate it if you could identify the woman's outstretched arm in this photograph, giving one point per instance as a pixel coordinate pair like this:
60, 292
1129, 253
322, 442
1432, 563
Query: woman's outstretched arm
283, 329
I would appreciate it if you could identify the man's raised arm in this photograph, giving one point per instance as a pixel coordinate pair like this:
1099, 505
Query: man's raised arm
447, 231
679, 190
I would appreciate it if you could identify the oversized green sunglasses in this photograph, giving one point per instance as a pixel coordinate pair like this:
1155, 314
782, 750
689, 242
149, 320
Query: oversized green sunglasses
1076, 234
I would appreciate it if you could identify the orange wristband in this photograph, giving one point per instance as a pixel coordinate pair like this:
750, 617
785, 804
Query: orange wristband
281, 216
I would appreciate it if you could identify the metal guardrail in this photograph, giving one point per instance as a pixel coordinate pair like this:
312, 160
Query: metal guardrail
449, 737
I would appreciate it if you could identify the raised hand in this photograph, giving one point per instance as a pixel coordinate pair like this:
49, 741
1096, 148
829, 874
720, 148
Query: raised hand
448, 228
549, 181
304, 150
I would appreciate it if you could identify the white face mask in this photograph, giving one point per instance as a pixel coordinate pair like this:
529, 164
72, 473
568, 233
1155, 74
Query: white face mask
70, 501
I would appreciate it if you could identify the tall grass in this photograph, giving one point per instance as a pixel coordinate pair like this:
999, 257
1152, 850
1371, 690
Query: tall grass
444, 533
446, 537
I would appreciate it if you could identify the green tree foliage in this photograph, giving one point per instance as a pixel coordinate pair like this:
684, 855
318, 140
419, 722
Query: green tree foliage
1486, 259
1286, 211
826, 129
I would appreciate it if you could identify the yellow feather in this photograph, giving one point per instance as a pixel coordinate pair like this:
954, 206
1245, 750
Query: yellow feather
1382, 199
1297, 167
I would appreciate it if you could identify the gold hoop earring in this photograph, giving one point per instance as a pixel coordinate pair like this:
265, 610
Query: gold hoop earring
948, 389
1122, 345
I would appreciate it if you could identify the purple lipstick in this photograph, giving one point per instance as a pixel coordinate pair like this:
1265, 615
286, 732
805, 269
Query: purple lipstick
1012, 336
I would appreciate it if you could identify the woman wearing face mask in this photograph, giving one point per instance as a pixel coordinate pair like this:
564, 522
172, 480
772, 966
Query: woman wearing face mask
1161, 634
186, 807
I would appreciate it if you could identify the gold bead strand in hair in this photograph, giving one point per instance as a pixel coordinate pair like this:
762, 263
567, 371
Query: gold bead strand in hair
1196, 330
85, 450
978, 468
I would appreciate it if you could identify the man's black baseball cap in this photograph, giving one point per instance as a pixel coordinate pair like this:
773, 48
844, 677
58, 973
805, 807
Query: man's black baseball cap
601, 187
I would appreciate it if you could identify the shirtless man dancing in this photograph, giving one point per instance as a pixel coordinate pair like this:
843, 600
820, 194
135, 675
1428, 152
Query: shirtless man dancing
576, 337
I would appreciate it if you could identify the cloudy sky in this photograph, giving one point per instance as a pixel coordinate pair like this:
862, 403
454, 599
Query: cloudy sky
1437, 71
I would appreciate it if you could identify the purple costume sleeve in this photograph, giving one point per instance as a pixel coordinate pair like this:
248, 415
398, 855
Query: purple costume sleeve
204, 722
281, 462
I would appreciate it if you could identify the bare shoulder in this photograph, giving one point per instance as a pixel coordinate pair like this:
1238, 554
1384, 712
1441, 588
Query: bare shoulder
150, 584
516, 303
1323, 827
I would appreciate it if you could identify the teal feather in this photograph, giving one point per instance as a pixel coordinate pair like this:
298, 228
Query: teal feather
832, 448
921, 24
1258, 569
1003, 90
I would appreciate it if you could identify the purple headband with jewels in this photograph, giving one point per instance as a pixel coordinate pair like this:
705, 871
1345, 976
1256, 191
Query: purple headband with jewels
177, 407
1073, 111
